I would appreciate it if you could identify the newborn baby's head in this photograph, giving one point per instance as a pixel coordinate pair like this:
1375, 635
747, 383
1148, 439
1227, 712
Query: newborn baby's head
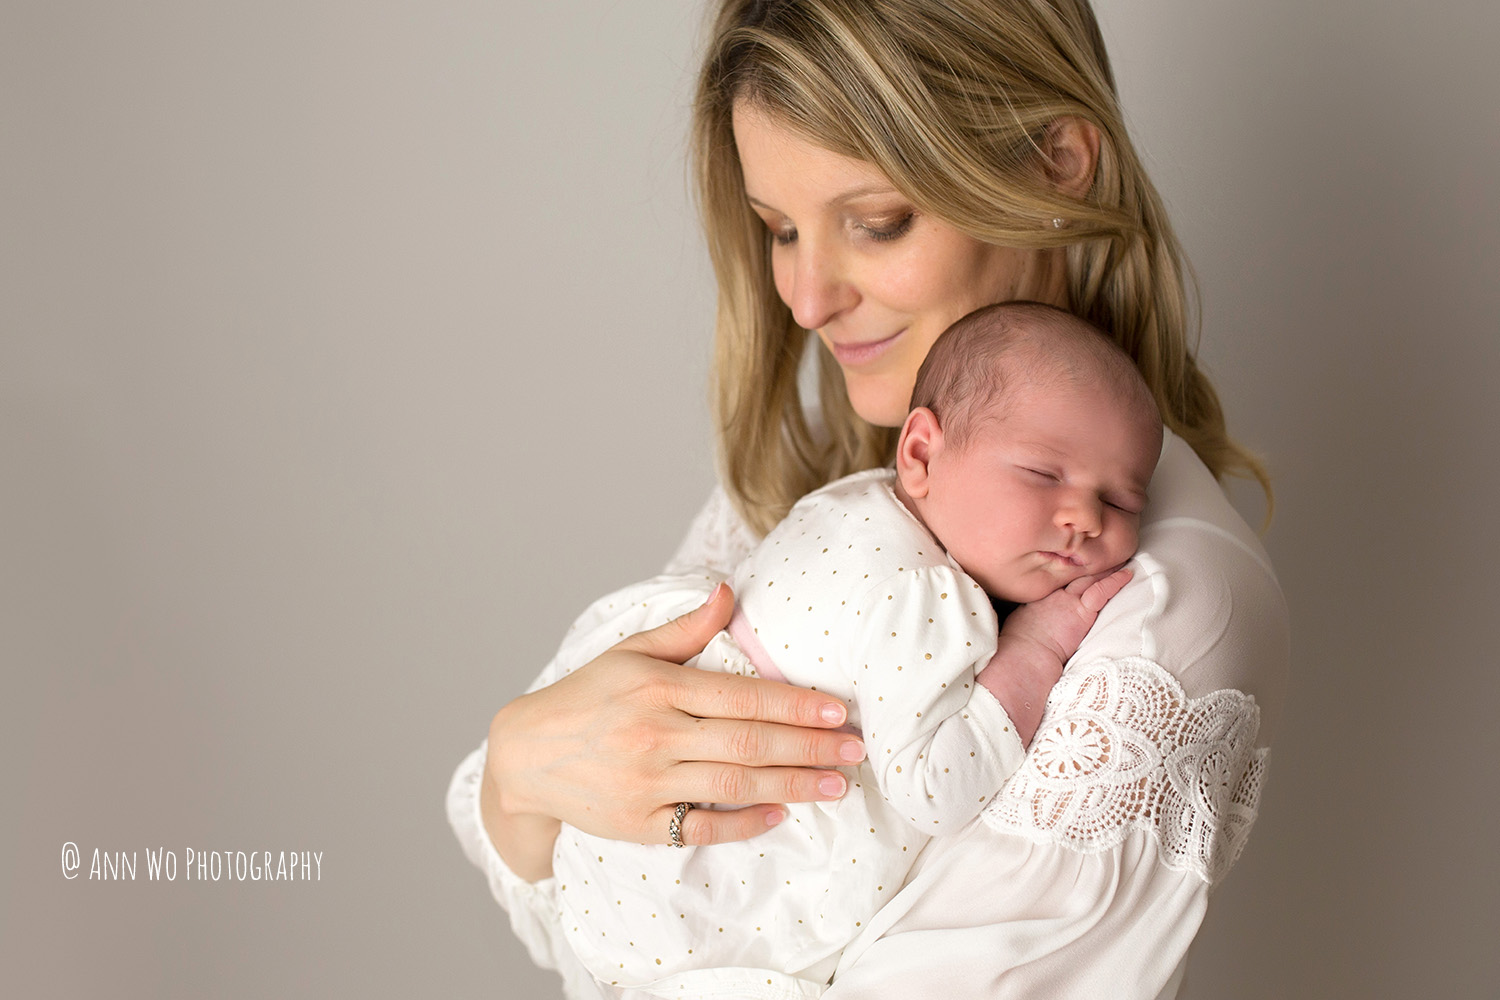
1028, 449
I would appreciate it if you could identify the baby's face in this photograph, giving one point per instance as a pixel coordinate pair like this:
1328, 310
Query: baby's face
1051, 492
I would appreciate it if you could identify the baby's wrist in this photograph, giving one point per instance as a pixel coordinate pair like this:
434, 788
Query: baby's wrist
1020, 675
1030, 656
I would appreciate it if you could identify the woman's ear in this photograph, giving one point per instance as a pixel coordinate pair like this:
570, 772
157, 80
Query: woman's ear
1072, 149
920, 442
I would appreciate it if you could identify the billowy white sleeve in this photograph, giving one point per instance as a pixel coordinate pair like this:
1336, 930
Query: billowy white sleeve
715, 543
938, 743
532, 906
1089, 874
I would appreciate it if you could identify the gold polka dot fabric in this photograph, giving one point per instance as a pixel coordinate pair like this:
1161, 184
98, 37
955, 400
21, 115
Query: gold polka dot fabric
851, 595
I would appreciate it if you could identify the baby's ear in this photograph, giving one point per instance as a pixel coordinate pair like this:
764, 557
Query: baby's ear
921, 440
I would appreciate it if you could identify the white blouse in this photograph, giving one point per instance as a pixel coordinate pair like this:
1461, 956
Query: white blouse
1089, 873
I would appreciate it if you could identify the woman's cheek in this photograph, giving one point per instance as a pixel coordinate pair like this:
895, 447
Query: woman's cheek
781, 278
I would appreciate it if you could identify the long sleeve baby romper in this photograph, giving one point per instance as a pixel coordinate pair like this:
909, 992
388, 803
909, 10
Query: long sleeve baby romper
852, 596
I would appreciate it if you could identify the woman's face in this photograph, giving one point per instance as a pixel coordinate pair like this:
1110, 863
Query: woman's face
857, 263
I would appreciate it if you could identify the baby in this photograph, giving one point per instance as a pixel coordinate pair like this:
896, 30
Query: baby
1021, 473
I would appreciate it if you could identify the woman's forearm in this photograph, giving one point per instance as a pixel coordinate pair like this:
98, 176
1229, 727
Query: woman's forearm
523, 840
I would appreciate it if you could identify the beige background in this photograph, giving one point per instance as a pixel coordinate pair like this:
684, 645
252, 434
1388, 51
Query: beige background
348, 349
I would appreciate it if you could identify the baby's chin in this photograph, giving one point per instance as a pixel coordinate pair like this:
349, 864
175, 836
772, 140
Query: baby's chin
1026, 591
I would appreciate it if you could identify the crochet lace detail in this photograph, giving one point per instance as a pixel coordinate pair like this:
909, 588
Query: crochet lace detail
1122, 748
718, 540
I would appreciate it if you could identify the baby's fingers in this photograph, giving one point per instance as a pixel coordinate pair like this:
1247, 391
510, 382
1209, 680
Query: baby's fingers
1099, 593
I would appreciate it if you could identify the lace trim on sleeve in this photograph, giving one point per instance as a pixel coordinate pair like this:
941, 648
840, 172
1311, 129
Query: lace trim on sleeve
718, 540
1122, 748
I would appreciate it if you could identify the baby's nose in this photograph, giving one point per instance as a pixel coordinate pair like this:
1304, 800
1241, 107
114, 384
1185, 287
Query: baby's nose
1083, 515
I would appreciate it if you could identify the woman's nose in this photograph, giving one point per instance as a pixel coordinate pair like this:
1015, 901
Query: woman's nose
1081, 514
819, 288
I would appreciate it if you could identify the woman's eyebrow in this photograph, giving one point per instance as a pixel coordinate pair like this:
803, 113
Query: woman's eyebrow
853, 194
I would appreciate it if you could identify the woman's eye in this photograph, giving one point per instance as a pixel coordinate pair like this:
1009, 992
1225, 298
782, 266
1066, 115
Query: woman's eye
784, 237
883, 232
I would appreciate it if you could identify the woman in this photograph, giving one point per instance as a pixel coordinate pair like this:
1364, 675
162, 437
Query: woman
871, 170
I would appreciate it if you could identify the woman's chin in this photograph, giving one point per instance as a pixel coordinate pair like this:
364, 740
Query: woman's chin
877, 404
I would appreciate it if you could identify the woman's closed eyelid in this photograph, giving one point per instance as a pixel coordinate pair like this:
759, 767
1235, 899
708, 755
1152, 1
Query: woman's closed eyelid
781, 229
882, 230
891, 228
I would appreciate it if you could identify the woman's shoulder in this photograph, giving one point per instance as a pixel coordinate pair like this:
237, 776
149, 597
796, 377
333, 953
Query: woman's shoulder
1186, 501
1204, 604
717, 540
1190, 531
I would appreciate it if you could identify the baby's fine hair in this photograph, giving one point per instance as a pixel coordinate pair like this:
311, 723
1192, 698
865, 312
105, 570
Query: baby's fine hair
972, 368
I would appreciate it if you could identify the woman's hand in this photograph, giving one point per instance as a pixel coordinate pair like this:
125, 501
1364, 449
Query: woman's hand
614, 746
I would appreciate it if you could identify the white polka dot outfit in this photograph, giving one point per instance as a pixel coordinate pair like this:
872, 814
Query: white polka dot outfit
852, 596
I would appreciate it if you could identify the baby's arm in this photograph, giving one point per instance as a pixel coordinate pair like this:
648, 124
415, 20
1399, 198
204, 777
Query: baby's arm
1036, 641
938, 746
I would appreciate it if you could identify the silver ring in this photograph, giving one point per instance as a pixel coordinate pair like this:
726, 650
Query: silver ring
674, 828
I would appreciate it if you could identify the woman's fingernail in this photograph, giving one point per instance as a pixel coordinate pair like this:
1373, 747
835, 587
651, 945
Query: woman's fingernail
832, 712
832, 785
714, 593
853, 751
774, 816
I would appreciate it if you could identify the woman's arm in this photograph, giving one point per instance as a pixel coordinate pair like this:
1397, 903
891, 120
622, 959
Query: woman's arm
549, 743
1091, 872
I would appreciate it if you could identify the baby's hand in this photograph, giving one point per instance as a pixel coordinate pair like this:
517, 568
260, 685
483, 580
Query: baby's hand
1060, 620
1037, 639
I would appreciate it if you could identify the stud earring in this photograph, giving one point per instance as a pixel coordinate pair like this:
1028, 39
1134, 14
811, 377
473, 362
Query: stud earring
1057, 223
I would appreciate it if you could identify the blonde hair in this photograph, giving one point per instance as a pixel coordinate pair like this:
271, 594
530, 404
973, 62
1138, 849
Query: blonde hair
952, 101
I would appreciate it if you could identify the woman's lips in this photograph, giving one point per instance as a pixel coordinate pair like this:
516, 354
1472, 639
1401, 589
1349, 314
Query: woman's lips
854, 355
